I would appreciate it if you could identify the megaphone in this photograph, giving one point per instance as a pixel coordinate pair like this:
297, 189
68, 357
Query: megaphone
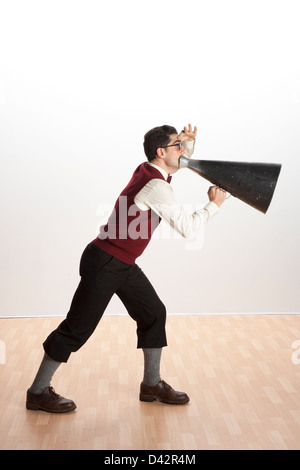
252, 183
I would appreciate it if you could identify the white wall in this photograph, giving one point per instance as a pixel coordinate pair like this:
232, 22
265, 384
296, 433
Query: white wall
80, 84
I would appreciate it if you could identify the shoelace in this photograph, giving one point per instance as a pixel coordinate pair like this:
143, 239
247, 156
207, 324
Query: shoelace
53, 393
166, 386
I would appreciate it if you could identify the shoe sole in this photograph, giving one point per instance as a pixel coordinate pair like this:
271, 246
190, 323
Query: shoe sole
149, 399
40, 408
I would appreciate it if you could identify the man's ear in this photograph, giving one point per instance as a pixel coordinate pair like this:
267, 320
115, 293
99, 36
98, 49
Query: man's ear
160, 152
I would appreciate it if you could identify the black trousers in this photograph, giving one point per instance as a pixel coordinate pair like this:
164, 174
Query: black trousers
102, 276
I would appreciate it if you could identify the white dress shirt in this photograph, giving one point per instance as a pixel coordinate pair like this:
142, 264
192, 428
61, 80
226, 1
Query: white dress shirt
158, 195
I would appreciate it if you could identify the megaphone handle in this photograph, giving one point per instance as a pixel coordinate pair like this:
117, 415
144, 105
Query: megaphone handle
228, 194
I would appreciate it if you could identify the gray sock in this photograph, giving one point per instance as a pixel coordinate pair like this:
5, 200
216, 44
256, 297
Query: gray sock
44, 375
152, 366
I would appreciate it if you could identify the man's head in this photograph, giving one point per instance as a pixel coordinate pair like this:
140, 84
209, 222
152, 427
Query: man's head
159, 137
163, 147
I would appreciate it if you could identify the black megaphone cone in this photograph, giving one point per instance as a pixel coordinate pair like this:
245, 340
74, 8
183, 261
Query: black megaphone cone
252, 183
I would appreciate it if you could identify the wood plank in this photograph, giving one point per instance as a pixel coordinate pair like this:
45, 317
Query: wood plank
237, 369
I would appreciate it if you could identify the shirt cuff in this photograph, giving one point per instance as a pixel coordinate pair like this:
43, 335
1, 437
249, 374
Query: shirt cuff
212, 209
188, 144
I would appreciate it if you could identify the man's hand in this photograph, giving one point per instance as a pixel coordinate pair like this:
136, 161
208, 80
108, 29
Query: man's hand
188, 133
216, 195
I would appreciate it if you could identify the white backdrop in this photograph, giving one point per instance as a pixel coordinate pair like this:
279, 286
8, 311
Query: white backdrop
80, 84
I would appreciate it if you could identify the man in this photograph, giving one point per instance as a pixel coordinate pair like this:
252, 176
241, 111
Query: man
108, 267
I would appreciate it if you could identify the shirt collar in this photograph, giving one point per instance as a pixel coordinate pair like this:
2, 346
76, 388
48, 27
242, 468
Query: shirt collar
163, 172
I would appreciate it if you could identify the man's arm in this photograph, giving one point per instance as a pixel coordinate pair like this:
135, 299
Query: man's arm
158, 195
188, 138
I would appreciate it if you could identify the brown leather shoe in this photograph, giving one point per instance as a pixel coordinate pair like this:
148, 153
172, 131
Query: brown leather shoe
164, 393
49, 401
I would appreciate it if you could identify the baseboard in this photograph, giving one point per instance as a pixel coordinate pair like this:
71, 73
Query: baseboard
169, 314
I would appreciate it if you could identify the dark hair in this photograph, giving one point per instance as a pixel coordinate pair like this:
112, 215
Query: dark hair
155, 138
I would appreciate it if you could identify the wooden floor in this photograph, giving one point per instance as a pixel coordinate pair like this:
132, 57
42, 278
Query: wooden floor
239, 371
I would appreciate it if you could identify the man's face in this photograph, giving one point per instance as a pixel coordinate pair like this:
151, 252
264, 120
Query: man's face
173, 152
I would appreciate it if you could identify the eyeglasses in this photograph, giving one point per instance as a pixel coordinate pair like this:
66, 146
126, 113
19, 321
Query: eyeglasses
178, 145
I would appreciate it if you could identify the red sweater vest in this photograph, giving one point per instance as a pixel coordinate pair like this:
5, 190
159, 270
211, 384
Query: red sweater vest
129, 229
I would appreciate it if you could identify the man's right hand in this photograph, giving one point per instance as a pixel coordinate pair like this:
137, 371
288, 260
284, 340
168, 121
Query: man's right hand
188, 133
216, 195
